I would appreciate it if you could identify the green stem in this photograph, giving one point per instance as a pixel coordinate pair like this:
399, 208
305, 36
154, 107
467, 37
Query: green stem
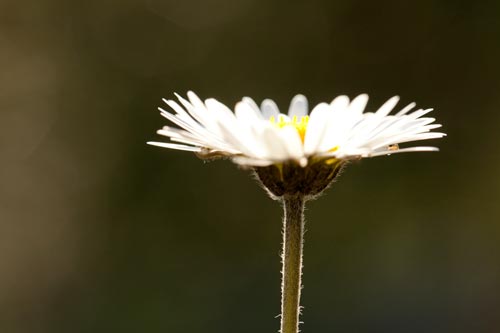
293, 235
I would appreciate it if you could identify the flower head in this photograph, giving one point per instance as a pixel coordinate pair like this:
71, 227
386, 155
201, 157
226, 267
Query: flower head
258, 137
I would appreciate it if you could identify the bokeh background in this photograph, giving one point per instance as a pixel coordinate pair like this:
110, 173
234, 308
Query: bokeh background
101, 233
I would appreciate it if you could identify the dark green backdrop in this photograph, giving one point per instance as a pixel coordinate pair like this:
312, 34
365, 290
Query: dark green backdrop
101, 233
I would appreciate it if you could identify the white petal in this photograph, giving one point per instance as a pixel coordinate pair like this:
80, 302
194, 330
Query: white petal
197, 110
231, 132
252, 103
188, 142
269, 108
201, 133
177, 133
182, 114
245, 113
176, 107
251, 161
403, 150
274, 144
218, 109
293, 143
419, 113
406, 109
340, 102
358, 104
368, 125
249, 122
433, 126
387, 107
298, 106
316, 128
420, 122
195, 100
174, 146
173, 131
191, 127
408, 138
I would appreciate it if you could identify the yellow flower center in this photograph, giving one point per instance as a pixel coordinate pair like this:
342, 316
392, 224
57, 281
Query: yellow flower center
299, 124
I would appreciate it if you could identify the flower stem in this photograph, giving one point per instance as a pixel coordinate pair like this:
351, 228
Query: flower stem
293, 235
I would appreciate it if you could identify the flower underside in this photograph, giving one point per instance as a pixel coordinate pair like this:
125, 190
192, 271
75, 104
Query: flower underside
292, 179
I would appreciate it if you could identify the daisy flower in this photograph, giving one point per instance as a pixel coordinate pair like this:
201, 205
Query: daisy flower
262, 136
295, 155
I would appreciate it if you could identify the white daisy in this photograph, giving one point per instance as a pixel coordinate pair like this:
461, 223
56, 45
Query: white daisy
264, 136
295, 156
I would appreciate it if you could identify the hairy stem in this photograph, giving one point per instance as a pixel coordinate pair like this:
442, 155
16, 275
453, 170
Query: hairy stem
293, 233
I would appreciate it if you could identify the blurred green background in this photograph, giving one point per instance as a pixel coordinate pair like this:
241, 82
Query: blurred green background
101, 233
